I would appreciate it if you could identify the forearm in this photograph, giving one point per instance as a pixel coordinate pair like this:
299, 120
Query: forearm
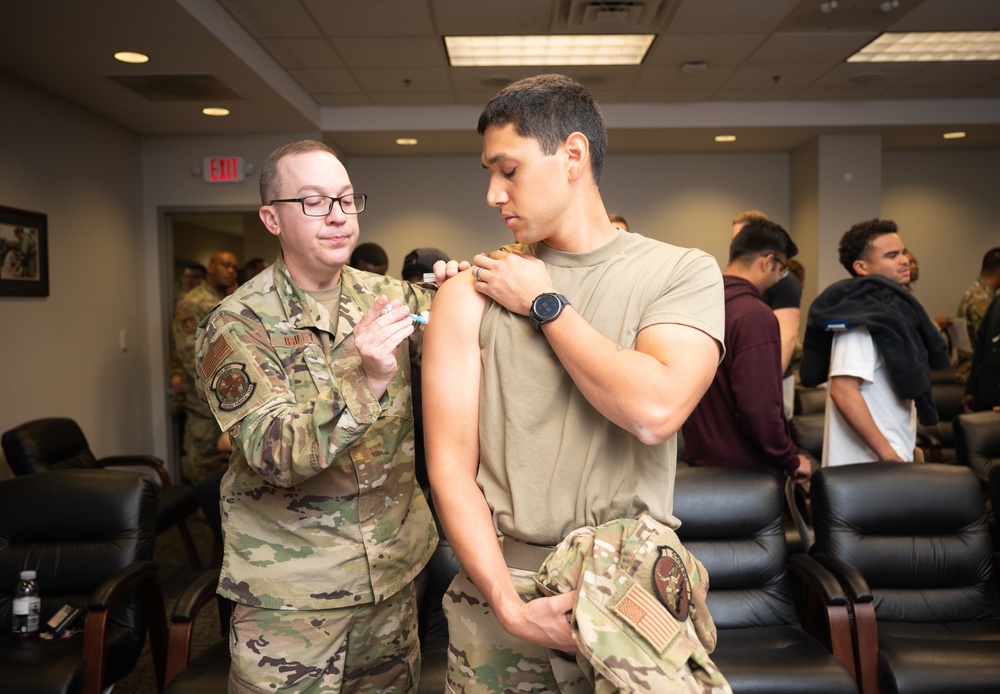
788, 327
846, 396
648, 391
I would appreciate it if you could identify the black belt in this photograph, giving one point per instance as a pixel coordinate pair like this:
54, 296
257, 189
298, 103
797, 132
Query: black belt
525, 556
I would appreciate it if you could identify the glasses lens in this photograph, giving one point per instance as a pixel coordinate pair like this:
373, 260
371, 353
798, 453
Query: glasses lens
352, 204
317, 205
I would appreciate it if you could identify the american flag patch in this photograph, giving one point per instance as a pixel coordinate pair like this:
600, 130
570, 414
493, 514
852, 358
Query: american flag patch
647, 617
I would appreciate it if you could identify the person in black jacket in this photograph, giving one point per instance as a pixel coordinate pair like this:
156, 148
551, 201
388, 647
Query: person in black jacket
983, 389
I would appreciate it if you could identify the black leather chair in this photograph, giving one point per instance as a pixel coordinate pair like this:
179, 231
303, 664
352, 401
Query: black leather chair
58, 443
977, 442
731, 520
89, 534
938, 440
909, 542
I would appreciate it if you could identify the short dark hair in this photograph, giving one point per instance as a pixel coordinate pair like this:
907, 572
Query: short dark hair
991, 262
197, 267
549, 108
370, 253
269, 171
760, 237
858, 239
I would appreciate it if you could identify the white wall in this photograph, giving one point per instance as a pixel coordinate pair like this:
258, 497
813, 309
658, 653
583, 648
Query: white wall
60, 355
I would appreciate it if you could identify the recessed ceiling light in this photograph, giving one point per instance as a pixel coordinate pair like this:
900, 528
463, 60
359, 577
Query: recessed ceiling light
406, 141
130, 57
725, 138
575, 49
957, 135
215, 111
930, 46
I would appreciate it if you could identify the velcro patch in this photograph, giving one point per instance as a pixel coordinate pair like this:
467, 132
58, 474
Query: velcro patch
215, 355
647, 617
232, 386
673, 587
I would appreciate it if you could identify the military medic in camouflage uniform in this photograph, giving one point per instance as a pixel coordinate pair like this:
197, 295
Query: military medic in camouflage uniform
201, 433
324, 526
974, 303
580, 351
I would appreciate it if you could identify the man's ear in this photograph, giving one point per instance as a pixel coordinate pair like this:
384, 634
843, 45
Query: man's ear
578, 154
860, 267
267, 216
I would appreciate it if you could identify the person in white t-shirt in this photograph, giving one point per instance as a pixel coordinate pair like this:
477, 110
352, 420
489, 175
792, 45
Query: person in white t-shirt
866, 420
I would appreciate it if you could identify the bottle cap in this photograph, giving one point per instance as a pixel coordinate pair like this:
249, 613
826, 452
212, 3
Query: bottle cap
28, 575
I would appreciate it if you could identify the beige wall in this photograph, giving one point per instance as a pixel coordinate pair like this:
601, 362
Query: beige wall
107, 193
60, 355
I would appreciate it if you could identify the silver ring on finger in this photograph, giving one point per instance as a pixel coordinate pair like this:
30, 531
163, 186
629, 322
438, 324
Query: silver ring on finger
476, 273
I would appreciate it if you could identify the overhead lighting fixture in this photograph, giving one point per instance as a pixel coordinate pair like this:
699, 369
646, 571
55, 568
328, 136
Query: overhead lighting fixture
930, 47
575, 49
957, 135
406, 141
725, 138
215, 111
130, 57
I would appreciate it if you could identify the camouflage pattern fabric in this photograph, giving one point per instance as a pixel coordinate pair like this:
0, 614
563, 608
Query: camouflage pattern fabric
201, 433
320, 508
358, 650
641, 621
972, 308
484, 659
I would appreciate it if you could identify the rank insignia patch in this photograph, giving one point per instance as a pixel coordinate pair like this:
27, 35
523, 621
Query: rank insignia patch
232, 386
673, 587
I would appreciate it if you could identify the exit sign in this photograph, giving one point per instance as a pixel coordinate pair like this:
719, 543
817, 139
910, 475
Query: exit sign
222, 169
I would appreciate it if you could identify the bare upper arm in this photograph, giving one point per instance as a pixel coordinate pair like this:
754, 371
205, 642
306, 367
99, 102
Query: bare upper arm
691, 356
450, 374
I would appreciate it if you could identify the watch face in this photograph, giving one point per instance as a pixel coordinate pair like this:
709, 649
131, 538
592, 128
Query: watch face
547, 306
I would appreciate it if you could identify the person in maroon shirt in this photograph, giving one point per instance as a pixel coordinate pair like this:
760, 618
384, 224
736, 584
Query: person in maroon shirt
740, 420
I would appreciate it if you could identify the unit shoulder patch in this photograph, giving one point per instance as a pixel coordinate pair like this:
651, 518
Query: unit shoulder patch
673, 587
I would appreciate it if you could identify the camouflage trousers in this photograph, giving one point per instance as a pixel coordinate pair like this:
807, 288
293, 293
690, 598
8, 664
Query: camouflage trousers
483, 658
201, 447
368, 649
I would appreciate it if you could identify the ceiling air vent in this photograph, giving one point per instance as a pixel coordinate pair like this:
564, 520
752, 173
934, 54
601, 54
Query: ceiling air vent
586, 16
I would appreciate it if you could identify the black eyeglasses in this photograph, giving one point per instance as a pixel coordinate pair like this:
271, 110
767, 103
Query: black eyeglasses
322, 205
783, 264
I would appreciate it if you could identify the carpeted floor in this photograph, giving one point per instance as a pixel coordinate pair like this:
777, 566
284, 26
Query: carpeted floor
176, 573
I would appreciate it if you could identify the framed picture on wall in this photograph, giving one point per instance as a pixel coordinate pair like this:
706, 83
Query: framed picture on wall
24, 253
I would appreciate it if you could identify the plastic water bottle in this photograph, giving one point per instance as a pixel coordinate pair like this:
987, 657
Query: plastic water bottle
26, 608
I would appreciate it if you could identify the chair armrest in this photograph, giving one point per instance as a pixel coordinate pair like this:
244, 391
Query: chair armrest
852, 581
195, 597
149, 461
863, 613
139, 575
825, 610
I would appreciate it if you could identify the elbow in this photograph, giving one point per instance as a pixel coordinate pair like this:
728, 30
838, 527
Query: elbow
657, 427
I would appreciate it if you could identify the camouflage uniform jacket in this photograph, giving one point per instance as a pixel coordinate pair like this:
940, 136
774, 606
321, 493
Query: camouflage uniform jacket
641, 621
320, 508
192, 308
972, 308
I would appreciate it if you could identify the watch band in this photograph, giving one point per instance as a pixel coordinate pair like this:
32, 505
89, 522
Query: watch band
539, 319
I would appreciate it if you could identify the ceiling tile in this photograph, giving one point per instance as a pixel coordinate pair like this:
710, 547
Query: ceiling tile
272, 18
810, 47
391, 52
302, 52
775, 76
372, 18
951, 15
405, 81
729, 16
714, 49
464, 18
328, 81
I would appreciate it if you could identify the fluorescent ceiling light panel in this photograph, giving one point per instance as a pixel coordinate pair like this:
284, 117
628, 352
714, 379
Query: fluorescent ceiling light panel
578, 49
930, 47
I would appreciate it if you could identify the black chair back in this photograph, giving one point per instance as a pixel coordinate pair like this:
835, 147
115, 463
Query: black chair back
916, 533
731, 520
41, 445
